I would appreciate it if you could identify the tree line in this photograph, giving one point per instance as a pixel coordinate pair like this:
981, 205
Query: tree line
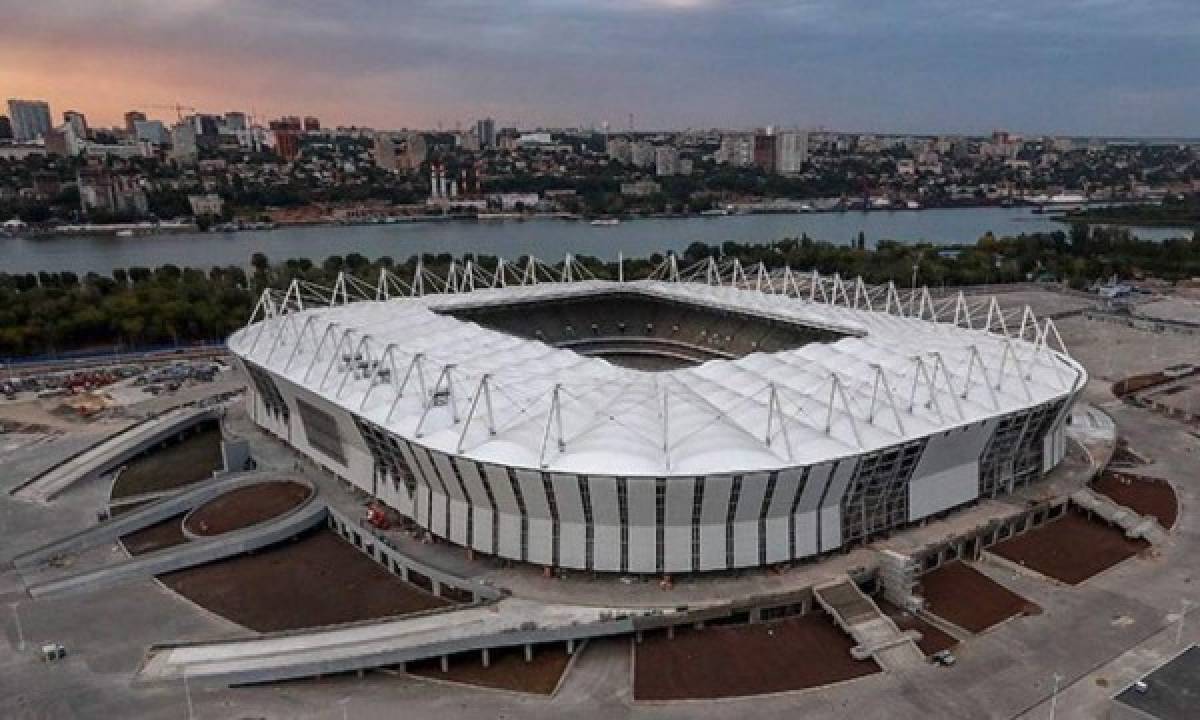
55, 312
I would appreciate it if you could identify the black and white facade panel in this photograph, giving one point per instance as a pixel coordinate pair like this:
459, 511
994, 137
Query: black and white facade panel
777, 427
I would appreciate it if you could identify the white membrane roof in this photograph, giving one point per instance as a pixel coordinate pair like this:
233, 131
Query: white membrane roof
461, 388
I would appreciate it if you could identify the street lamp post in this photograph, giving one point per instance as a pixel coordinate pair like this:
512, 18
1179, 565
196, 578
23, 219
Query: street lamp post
20, 632
1182, 617
1054, 696
187, 694
912, 300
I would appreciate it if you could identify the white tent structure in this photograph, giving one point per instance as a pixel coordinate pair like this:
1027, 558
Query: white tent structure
519, 448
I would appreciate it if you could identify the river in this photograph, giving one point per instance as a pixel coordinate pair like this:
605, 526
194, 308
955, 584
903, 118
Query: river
546, 238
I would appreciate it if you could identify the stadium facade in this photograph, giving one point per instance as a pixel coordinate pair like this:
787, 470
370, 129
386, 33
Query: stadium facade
704, 420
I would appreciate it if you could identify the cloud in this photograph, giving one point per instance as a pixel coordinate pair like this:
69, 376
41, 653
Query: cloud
1073, 66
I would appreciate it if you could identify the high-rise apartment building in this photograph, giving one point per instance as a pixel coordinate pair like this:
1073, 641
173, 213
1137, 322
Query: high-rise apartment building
486, 130
287, 144
151, 131
184, 149
30, 119
287, 131
132, 118
791, 152
764, 152
235, 122
78, 123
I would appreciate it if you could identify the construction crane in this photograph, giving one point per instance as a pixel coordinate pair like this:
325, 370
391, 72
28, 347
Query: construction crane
176, 107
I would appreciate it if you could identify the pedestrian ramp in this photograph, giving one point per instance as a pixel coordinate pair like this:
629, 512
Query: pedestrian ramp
510, 622
143, 516
109, 453
188, 554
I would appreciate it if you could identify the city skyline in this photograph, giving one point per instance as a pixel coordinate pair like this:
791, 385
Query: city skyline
930, 67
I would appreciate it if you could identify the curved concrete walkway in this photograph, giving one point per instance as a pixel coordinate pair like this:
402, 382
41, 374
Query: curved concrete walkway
134, 520
196, 552
110, 452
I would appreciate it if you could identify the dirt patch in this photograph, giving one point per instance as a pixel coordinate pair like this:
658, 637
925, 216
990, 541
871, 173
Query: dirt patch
1136, 383
246, 506
1143, 495
969, 599
729, 661
507, 669
165, 534
1070, 549
933, 639
317, 579
179, 464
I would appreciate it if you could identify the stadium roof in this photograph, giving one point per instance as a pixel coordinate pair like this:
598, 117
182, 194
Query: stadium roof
904, 372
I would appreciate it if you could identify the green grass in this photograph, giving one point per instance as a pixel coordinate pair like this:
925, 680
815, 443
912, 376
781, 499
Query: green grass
177, 465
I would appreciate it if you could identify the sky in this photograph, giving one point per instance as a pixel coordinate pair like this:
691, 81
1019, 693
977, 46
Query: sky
1080, 67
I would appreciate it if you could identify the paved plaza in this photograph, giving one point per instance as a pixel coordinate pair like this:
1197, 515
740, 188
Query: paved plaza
1097, 636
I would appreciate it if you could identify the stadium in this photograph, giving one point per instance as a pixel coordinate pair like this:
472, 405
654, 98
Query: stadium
703, 419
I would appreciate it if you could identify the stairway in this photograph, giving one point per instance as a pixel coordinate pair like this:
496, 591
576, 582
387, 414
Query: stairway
876, 635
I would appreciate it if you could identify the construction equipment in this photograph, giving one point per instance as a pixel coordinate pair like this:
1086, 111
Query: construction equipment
176, 107
377, 517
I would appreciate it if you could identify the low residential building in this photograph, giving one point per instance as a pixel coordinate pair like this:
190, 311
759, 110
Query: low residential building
101, 191
642, 154
736, 150
666, 161
210, 204
400, 152
641, 188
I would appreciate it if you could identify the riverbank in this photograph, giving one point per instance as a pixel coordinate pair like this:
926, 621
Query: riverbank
764, 207
1119, 221
1179, 211
82, 254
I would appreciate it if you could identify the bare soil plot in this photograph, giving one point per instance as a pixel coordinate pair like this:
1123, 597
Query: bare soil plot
730, 661
933, 639
183, 463
165, 534
246, 506
507, 669
1136, 383
969, 599
317, 579
1071, 548
1143, 495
